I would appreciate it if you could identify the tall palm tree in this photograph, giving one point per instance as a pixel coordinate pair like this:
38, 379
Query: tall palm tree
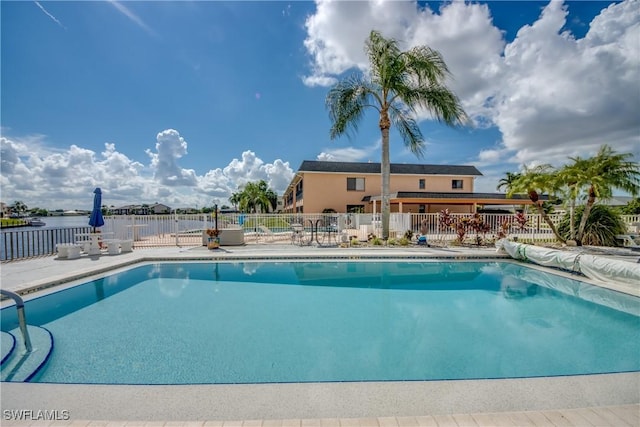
604, 172
397, 85
535, 181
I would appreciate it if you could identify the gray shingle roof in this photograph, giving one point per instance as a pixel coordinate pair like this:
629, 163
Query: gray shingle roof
396, 168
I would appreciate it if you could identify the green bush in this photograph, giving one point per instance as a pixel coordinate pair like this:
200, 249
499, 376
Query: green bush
376, 241
403, 241
603, 224
631, 208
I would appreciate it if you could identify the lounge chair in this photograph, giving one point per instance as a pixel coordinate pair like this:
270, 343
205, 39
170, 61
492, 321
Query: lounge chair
265, 231
631, 241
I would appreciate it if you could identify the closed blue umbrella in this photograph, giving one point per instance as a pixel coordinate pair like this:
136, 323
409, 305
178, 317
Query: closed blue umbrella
96, 220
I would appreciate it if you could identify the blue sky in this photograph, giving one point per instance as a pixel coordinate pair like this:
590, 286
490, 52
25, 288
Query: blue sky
183, 102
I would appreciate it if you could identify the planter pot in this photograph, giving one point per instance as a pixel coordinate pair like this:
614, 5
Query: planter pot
214, 243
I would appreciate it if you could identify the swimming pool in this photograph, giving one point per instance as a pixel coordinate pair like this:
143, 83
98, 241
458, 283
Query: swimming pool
187, 323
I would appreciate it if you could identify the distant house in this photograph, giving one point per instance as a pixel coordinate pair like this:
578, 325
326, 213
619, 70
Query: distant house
4, 210
159, 209
419, 188
155, 209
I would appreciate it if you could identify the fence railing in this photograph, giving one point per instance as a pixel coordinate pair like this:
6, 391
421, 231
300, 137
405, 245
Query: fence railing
187, 229
18, 244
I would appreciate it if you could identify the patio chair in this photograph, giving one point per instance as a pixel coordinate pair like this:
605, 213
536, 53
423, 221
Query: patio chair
265, 231
630, 241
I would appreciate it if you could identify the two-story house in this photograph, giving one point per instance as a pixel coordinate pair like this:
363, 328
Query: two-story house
418, 188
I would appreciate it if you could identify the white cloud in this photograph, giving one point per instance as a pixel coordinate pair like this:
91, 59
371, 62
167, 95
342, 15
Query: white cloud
549, 94
349, 154
562, 96
251, 168
170, 147
65, 179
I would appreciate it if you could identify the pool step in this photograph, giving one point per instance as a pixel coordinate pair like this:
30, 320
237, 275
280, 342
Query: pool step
20, 366
7, 344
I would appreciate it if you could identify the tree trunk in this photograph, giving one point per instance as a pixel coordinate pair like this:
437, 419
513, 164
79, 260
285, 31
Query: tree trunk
385, 171
591, 200
572, 216
549, 222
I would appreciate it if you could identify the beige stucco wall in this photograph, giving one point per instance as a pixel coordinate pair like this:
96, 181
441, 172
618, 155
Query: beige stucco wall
329, 190
430, 207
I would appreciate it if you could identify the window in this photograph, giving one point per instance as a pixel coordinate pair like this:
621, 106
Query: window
355, 184
456, 184
421, 184
355, 208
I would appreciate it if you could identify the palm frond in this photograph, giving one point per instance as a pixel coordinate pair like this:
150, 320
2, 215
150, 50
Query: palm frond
409, 130
443, 104
426, 65
382, 55
346, 102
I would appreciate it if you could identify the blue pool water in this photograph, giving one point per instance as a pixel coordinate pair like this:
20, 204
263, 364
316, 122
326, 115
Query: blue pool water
332, 321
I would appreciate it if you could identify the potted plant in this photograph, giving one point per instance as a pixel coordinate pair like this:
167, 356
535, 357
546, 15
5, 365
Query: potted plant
214, 239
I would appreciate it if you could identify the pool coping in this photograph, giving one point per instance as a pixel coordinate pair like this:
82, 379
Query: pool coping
300, 400
322, 400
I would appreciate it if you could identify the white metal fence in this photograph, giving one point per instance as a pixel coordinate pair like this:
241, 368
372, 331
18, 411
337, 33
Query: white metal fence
187, 230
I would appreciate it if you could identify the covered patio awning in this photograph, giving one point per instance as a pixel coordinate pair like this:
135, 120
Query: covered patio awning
443, 198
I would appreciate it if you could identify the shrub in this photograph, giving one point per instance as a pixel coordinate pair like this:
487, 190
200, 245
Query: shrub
392, 241
403, 241
603, 224
376, 241
355, 242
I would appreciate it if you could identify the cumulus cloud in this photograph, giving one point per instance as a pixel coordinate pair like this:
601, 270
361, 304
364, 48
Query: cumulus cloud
251, 168
170, 147
562, 96
549, 94
66, 178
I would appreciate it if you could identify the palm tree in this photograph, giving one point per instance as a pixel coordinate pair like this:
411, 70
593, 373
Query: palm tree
270, 194
535, 181
19, 207
606, 171
256, 195
507, 181
235, 199
574, 178
398, 84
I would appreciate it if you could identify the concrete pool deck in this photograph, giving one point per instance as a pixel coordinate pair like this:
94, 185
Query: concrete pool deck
612, 399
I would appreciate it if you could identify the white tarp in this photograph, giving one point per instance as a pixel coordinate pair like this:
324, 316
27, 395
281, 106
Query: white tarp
599, 268
607, 269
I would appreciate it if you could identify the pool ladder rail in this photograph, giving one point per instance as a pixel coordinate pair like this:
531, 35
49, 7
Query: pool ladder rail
21, 361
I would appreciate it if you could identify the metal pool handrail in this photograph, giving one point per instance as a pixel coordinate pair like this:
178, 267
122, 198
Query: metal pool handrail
22, 320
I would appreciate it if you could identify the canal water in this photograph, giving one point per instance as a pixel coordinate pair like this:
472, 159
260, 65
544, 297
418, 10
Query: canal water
36, 240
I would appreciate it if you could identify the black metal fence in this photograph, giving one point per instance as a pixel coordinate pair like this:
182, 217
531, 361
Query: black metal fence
32, 243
